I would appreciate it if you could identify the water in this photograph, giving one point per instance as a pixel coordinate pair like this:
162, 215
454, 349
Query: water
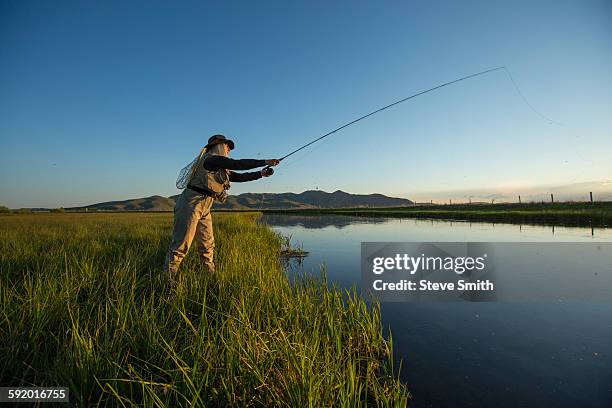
503, 354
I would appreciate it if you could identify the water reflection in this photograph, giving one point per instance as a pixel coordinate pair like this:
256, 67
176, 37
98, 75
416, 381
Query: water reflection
317, 222
444, 230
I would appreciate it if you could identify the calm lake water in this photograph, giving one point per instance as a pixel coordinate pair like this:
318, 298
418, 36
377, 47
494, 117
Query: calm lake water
463, 354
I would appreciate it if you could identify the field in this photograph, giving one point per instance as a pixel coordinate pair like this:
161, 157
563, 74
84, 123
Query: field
566, 213
84, 304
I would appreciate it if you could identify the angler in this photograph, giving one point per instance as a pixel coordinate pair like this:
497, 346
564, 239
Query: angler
206, 179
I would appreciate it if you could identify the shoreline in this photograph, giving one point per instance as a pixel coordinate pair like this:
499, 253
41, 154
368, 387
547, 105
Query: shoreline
569, 214
597, 214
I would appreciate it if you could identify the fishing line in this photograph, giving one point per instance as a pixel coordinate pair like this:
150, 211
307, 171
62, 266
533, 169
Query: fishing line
419, 94
526, 101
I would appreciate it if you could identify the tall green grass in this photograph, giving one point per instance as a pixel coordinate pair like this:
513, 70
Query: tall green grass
84, 303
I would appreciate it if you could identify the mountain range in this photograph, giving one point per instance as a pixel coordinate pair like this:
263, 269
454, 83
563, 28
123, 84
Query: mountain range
260, 201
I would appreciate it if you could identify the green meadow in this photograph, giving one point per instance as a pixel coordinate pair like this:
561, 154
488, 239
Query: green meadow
84, 304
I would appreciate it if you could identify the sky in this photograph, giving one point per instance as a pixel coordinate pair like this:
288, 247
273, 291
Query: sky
108, 100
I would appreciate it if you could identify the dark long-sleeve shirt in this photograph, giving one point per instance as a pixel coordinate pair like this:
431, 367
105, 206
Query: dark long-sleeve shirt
214, 163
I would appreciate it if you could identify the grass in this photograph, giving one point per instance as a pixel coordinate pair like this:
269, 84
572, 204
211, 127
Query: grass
568, 213
288, 250
84, 304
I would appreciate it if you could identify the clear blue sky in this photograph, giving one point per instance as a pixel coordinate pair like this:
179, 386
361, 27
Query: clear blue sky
108, 100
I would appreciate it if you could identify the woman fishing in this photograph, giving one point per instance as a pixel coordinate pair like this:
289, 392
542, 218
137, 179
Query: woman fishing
206, 179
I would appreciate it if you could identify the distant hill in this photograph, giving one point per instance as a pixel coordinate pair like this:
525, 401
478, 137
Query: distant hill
255, 201
153, 203
310, 199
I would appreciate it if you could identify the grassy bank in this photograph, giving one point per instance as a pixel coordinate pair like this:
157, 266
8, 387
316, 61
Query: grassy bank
576, 214
84, 304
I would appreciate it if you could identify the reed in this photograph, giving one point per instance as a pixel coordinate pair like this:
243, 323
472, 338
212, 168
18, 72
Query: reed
84, 304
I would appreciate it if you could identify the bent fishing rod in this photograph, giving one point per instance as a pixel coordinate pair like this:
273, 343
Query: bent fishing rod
419, 94
270, 171
391, 105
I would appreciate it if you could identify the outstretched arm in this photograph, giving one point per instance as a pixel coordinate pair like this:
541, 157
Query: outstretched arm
242, 177
214, 163
255, 175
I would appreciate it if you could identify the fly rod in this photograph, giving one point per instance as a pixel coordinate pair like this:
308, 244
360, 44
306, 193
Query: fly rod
393, 104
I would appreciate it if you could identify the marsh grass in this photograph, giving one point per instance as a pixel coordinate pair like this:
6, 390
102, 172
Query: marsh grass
84, 304
290, 250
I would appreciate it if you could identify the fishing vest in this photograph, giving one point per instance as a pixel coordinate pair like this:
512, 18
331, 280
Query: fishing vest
214, 181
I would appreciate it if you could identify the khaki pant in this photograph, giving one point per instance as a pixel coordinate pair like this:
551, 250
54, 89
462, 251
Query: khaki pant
191, 218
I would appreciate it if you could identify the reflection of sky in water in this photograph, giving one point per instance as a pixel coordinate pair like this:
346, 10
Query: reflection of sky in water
476, 354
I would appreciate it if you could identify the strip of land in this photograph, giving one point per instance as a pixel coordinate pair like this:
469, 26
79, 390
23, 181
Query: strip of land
598, 214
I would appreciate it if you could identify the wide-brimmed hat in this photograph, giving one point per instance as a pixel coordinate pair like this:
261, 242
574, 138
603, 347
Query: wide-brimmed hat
216, 139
